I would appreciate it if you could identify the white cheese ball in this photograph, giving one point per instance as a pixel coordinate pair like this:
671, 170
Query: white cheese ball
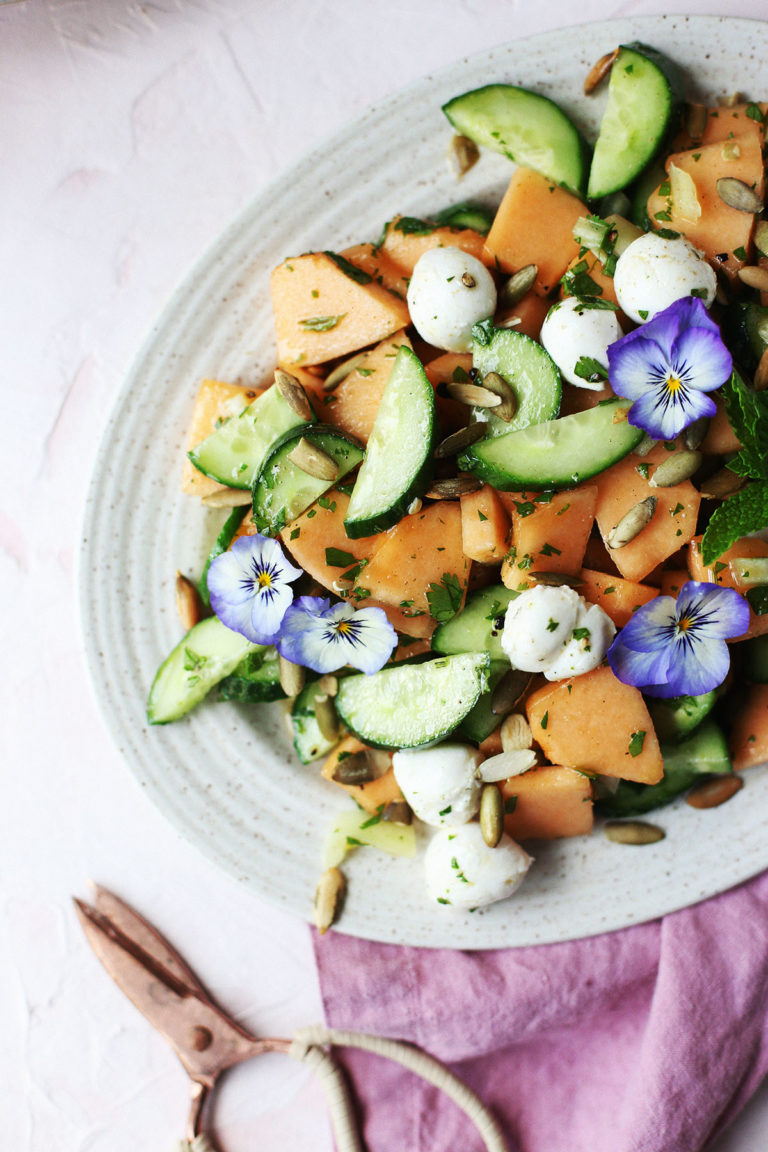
554, 631
440, 783
450, 291
573, 329
653, 273
463, 871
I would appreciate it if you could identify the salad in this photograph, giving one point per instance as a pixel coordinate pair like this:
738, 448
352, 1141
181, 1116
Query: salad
492, 527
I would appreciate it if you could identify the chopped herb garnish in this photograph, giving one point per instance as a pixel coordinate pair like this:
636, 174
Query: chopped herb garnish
322, 323
636, 741
444, 598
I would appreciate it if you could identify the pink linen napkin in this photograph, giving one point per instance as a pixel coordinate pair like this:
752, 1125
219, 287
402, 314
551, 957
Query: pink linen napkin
645, 1040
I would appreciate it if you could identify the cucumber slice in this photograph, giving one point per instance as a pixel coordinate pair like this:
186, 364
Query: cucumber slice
757, 328
481, 721
473, 216
555, 454
358, 829
634, 122
223, 541
256, 680
526, 127
208, 653
676, 718
282, 490
398, 460
525, 365
308, 738
413, 704
705, 753
234, 453
477, 628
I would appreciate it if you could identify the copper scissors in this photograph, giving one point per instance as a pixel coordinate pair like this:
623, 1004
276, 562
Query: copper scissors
207, 1041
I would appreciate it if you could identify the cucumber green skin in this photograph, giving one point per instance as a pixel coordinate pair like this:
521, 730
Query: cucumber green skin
676, 718
176, 689
276, 500
554, 454
473, 216
636, 80
471, 630
262, 422
410, 705
531, 372
256, 680
647, 182
223, 541
525, 126
704, 753
481, 721
380, 471
308, 740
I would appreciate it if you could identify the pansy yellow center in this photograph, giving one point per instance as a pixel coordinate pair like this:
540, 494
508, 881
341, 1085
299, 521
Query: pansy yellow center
684, 624
343, 627
265, 580
673, 384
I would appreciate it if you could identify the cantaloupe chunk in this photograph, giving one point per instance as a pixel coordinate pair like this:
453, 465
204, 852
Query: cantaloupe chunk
415, 554
372, 796
216, 401
549, 803
618, 598
672, 581
580, 399
727, 123
550, 537
531, 311
720, 231
534, 225
593, 723
321, 312
491, 746
451, 367
353, 405
749, 735
403, 247
484, 525
368, 258
723, 572
720, 438
672, 524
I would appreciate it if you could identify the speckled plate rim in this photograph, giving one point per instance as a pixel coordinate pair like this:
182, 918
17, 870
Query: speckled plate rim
226, 778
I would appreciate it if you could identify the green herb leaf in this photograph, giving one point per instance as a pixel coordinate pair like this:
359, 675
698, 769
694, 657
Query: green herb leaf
412, 226
444, 599
636, 741
745, 511
758, 599
336, 558
354, 273
482, 332
590, 369
754, 113
322, 323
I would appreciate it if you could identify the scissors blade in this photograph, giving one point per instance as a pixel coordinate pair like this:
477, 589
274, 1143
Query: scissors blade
203, 1037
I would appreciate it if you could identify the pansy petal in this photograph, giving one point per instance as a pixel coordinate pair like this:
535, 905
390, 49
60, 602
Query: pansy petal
717, 613
378, 640
269, 606
228, 583
695, 669
701, 359
249, 587
651, 625
639, 669
239, 617
635, 366
665, 327
663, 418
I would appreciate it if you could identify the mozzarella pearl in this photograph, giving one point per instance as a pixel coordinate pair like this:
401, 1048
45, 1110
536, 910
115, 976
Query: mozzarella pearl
572, 329
653, 273
554, 631
440, 783
463, 871
450, 291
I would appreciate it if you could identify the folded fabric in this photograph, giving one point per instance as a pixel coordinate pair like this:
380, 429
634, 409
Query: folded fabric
646, 1040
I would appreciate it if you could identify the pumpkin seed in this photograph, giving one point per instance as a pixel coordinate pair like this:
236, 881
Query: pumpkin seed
328, 684
518, 286
754, 277
188, 604
228, 498
676, 468
313, 460
508, 322
506, 764
496, 384
714, 791
413, 507
730, 151
556, 579
736, 194
492, 814
515, 732
341, 371
599, 71
509, 691
620, 416
645, 446
761, 236
292, 676
457, 441
695, 433
465, 153
397, 812
292, 392
731, 100
473, 395
695, 120
454, 486
329, 896
633, 832
356, 768
327, 719
632, 523
468, 280
720, 485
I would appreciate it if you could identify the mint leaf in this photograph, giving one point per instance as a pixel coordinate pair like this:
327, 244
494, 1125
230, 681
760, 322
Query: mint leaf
444, 599
590, 369
747, 413
745, 511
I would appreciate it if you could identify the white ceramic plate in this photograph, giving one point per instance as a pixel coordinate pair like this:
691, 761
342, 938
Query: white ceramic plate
226, 776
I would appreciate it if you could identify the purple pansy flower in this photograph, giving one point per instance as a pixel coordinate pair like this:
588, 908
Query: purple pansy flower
324, 637
250, 588
667, 366
677, 647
